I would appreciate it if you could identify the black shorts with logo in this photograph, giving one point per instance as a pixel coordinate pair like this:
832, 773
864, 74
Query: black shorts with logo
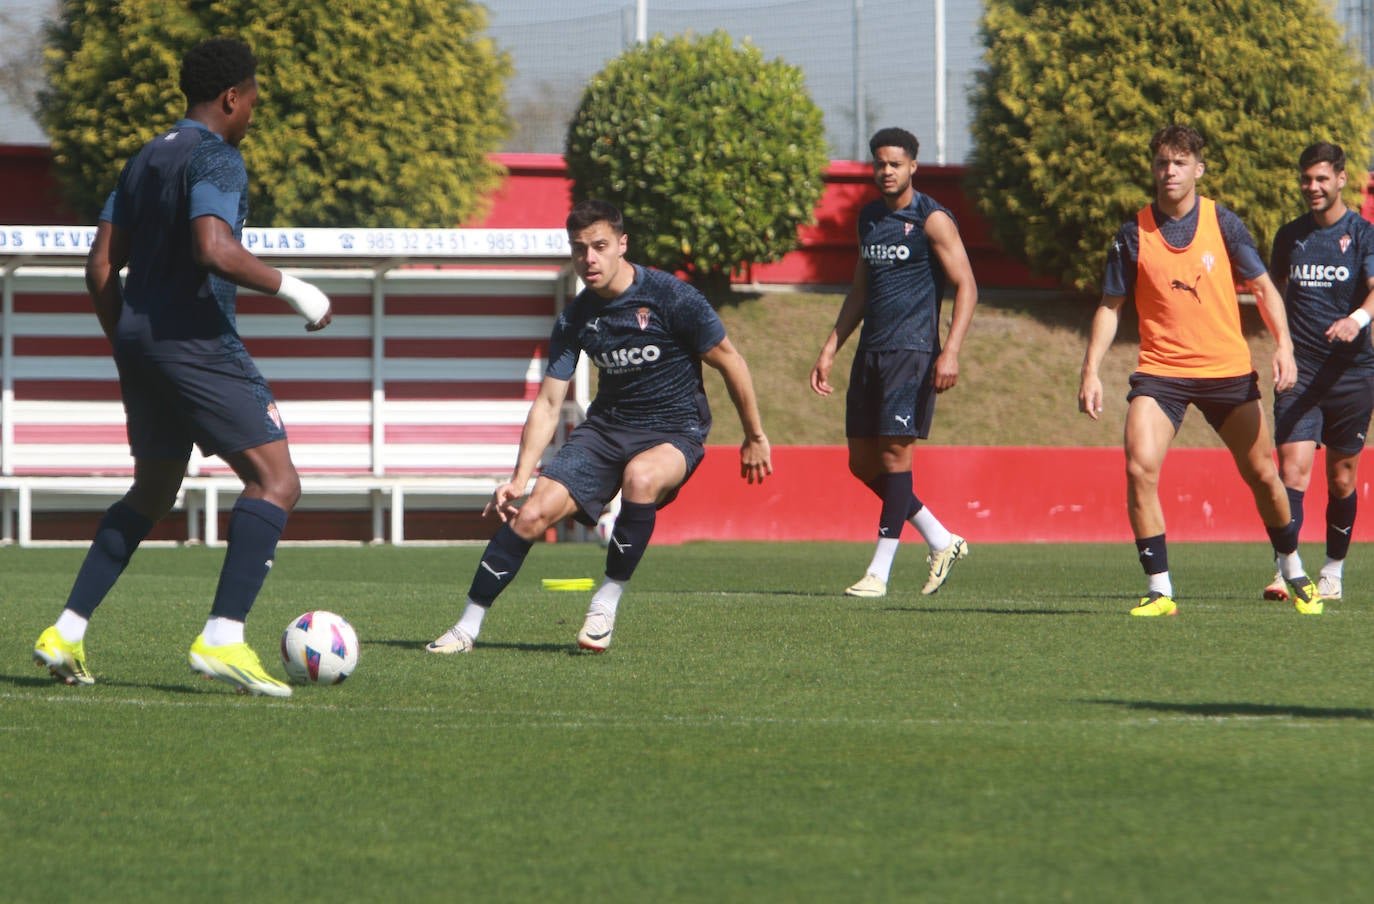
591, 464
1330, 406
221, 403
1215, 397
891, 393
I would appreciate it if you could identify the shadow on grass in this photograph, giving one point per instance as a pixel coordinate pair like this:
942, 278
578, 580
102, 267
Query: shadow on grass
196, 686
1218, 710
987, 610
419, 646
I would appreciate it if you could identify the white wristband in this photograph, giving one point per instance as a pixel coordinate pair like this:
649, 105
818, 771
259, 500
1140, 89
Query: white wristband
1360, 316
308, 301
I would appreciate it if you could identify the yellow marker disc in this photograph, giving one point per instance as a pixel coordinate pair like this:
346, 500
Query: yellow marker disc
569, 583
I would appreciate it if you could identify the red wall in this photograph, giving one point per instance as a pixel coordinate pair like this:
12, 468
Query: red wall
989, 495
537, 193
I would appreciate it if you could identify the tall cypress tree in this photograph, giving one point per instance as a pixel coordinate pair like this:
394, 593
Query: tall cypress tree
1072, 92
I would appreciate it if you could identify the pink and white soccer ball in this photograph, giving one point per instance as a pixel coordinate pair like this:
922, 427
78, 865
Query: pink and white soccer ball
319, 647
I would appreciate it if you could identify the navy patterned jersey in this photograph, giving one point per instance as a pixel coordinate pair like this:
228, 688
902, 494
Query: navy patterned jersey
171, 305
647, 346
905, 280
1328, 272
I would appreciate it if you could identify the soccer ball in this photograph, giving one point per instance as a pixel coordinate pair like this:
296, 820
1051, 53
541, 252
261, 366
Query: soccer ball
319, 647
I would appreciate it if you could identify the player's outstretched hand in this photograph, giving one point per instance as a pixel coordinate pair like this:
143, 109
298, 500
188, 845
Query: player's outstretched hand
322, 322
1090, 397
755, 459
1344, 330
820, 375
1285, 370
502, 503
946, 371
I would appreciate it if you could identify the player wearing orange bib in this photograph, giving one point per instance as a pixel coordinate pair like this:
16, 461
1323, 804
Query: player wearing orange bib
1182, 256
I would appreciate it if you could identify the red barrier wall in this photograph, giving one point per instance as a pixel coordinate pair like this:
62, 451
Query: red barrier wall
987, 494
537, 194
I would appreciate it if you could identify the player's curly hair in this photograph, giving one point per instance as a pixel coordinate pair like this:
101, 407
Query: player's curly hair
213, 66
893, 137
1178, 137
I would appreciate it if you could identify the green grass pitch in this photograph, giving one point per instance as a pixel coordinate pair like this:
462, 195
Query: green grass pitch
752, 736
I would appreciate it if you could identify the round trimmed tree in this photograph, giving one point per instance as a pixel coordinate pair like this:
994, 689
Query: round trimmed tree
1072, 93
379, 114
715, 156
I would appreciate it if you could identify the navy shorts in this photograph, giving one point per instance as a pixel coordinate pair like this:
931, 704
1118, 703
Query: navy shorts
891, 393
1330, 406
1215, 397
591, 464
220, 403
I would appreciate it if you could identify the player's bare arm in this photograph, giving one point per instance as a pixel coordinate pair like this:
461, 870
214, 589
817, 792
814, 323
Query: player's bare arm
1104, 327
216, 249
540, 425
1270, 304
850, 316
108, 255
949, 248
1348, 327
755, 454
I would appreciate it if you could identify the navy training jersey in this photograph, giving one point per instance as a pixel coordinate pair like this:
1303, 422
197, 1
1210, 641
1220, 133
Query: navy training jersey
1124, 254
171, 305
647, 346
1327, 273
906, 283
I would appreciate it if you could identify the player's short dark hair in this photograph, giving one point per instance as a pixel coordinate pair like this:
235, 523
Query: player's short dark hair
587, 213
1323, 152
215, 65
894, 138
1178, 137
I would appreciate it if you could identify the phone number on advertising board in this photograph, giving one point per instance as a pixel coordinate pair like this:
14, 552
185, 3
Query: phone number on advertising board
465, 241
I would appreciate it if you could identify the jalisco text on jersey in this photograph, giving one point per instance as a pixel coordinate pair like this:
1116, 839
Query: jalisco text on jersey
879, 253
1308, 272
627, 357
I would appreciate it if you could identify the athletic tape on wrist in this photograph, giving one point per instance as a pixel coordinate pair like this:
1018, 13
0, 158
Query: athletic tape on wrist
308, 301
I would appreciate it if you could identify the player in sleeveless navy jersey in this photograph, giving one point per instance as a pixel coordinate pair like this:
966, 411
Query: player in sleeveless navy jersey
175, 218
909, 251
1323, 262
648, 334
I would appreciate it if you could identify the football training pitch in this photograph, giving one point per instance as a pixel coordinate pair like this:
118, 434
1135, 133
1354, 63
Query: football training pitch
752, 736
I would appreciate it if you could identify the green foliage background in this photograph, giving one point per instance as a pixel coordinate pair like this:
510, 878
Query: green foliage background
1063, 114
377, 113
714, 155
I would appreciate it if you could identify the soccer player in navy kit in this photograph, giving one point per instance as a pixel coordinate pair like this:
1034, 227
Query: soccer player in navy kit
909, 249
1323, 262
175, 218
648, 334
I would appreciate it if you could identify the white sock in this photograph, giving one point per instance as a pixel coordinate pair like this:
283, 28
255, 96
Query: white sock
471, 621
881, 566
936, 535
220, 632
607, 597
1332, 569
1162, 584
71, 626
1290, 565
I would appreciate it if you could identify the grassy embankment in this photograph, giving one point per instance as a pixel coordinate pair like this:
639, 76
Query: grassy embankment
1018, 373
